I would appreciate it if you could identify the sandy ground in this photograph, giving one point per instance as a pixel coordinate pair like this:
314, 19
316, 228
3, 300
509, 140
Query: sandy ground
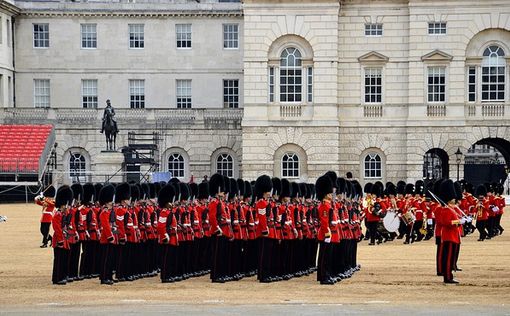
392, 274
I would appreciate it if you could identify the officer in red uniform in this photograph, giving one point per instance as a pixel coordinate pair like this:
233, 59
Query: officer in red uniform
167, 234
482, 212
60, 243
46, 200
203, 217
122, 201
88, 231
108, 231
74, 235
263, 187
324, 189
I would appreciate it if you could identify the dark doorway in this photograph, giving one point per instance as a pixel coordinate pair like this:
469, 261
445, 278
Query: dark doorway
487, 161
435, 164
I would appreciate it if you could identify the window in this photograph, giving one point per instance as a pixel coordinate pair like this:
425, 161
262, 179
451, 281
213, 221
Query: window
183, 34
372, 166
136, 36
436, 84
42, 93
309, 72
373, 85
176, 165
472, 84
373, 29
88, 36
137, 93
230, 35
41, 35
231, 93
493, 74
77, 168
225, 165
89, 93
271, 84
290, 166
183, 94
437, 28
8, 29
290, 75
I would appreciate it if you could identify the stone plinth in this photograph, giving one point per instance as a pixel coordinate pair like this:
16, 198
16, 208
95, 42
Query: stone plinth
106, 164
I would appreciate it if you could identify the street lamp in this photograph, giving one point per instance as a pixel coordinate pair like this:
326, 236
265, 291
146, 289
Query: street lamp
458, 155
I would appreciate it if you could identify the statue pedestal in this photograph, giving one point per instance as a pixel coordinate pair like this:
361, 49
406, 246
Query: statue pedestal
108, 164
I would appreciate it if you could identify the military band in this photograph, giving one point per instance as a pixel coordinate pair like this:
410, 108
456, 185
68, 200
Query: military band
270, 227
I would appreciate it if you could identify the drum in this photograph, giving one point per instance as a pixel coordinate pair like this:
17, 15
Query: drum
408, 218
391, 221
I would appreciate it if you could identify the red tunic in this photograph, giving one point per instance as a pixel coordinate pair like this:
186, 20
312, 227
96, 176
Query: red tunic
450, 231
47, 210
58, 239
324, 230
262, 228
107, 235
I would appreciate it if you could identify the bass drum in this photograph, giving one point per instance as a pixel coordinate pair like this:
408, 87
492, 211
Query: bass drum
391, 221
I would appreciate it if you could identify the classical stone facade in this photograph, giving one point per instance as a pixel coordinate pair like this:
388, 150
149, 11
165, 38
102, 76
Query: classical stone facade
369, 87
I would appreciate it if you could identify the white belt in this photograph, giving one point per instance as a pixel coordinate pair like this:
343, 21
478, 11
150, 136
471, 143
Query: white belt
120, 218
262, 211
162, 220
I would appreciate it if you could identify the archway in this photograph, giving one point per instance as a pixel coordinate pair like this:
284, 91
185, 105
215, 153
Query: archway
487, 161
435, 164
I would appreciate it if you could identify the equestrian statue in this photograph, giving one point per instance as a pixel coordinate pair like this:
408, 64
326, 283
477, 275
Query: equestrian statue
109, 126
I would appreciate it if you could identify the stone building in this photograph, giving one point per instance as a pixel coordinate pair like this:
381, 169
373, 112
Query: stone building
377, 88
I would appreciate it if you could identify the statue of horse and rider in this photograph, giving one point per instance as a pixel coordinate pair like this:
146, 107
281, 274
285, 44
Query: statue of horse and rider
109, 126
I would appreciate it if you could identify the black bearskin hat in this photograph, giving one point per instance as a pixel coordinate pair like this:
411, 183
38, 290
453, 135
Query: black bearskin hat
458, 190
295, 192
240, 186
203, 190
106, 194
303, 189
391, 190
194, 189
146, 190
152, 190
311, 189
233, 188
157, 187
349, 189
135, 192
166, 195
341, 185
89, 193
357, 187
277, 186
122, 192
263, 184
97, 188
377, 189
216, 184
332, 177
409, 188
248, 192
447, 191
368, 187
50, 192
174, 180
77, 191
418, 187
469, 188
64, 196
323, 187
481, 190
184, 191
286, 189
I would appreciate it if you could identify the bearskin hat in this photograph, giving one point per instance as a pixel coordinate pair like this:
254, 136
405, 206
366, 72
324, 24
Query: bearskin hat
294, 190
458, 190
323, 187
194, 189
348, 175
303, 189
429, 187
184, 191
341, 184
277, 186
135, 192
248, 192
216, 184
77, 191
409, 189
481, 190
349, 189
368, 187
157, 187
286, 190
89, 193
233, 189
146, 191
469, 188
122, 192
152, 191
64, 196
377, 189
203, 190
106, 194
332, 177
419, 187
391, 190
311, 190
50, 192
97, 188
240, 186
174, 180
358, 188
166, 195
447, 191
263, 184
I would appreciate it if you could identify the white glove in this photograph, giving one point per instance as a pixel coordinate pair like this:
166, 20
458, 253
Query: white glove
462, 221
469, 219
327, 240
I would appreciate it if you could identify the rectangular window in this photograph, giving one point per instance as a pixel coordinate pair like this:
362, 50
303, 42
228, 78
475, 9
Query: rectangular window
89, 93
436, 84
373, 85
493, 83
136, 36
183, 94
183, 35
137, 93
291, 84
310, 84
230, 35
88, 36
373, 29
41, 35
271, 84
41, 93
437, 28
231, 93
9, 27
472, 84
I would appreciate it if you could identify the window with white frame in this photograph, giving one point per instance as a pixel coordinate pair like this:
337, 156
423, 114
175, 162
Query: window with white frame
373, 29
290, 165
77, 168
291, 75
472, 84
183, 35
41, 93
225, 165
436, 84
309, 92
271, 84
437, 28
88, 36
183, 94
137, 93
230, 35
176, 165
136, 36
89, 93
231, 93
373, 85
41, 35
493, 74
373, 166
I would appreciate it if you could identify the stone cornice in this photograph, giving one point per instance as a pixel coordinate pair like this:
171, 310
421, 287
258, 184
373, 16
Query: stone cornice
9, 8
128, 13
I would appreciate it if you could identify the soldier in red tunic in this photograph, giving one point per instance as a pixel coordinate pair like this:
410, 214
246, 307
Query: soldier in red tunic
108, 231
324, 189
60, 243
263, 187
46, 200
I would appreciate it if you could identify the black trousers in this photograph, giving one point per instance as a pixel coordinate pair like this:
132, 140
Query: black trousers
219, 267
45, 232
372, 231
106, 262
74, 259
439, 253
499, 228
481, 227
324, 271
447, 260
170, 264
265, 257
60, 264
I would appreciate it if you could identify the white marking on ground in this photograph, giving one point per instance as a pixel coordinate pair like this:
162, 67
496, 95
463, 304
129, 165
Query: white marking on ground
133, 301
213, 301
459, 303
52, 304
377, 302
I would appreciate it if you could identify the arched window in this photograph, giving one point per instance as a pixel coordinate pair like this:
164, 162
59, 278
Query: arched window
493, 74
291, 75
176, 165
225, 165
77, 167
373, 165
290, 166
